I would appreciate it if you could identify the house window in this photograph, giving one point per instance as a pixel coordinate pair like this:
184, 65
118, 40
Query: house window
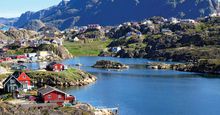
59, 96
24, 76
49, 96
12, 81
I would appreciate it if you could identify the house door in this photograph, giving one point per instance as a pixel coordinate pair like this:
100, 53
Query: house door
15, 88
25, 85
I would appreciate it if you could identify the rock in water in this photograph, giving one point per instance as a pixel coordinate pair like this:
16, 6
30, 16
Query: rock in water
109, 65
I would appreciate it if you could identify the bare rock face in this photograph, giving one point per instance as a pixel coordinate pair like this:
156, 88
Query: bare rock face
82, 12
3, 36
20, 34
78, 109
34, 25
64, 53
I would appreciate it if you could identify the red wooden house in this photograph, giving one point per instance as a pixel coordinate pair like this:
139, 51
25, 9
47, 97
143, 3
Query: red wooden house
50, 94
7, 59
24, 79
21, 57
55, 67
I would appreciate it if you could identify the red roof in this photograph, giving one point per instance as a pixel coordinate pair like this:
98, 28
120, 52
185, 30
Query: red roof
24, 77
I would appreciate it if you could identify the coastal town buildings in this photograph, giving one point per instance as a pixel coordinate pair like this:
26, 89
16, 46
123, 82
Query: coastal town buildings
94, 26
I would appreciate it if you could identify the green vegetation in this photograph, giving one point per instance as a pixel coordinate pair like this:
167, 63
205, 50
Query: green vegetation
156, 36
193, 52
91, 48
58, 50
200, 27
22, 50
3, 76
6, 97
67, 75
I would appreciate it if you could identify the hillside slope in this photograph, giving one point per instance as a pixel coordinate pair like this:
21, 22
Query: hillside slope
110, 12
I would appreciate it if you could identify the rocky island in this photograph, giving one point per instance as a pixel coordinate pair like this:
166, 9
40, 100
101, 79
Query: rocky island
109, 65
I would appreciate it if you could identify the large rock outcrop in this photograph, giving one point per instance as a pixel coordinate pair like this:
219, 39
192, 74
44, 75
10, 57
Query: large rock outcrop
34, 25
21, 33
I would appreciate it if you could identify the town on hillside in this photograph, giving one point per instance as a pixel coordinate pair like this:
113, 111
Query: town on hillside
110, 57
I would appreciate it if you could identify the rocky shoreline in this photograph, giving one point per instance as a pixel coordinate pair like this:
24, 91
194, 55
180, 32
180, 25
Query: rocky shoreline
7, 108
202, 66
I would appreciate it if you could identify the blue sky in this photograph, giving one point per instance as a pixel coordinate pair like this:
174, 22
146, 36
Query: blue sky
14, 8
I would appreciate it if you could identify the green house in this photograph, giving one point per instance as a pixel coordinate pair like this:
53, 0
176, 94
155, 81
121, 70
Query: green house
11, 84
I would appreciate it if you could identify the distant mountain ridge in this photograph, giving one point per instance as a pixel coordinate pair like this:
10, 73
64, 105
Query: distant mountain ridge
8, 21
69, 13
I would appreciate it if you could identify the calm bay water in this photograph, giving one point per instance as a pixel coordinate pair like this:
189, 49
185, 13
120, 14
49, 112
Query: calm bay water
4, 28
141, 91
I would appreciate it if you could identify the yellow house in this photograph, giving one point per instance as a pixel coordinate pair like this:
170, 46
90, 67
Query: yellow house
44, 54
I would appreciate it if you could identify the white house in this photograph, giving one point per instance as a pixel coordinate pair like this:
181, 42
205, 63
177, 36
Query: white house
174, 20
188, 21
29, 55
115, 49
57, 41
76, 39
94, 26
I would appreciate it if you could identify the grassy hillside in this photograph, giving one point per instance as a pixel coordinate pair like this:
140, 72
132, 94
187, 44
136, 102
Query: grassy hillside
67, 75
91, 48
70, 77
